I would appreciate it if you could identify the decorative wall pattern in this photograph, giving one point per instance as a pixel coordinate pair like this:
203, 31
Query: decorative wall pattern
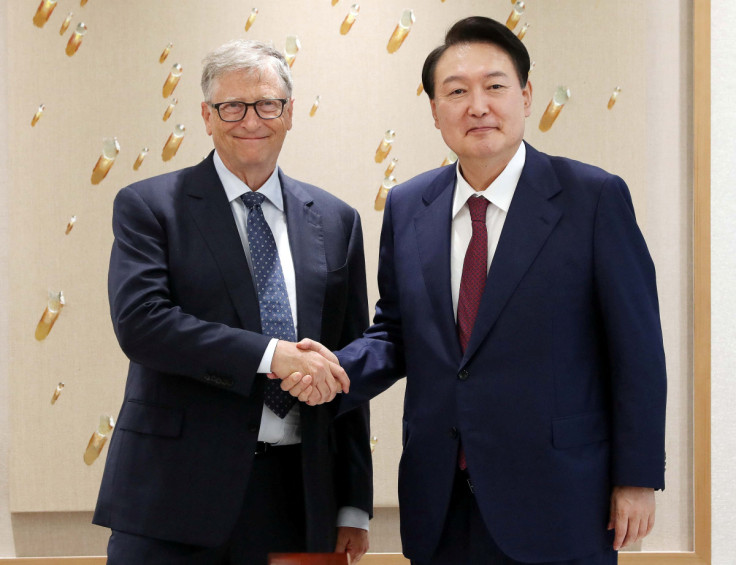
91, 94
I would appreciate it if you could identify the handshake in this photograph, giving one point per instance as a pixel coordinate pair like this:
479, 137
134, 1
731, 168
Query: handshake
308, 371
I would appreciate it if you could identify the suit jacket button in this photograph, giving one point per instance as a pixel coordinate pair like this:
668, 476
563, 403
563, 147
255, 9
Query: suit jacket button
463, 375
453, 432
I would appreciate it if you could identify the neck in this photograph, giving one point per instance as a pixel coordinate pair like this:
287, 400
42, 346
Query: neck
254, 182
254, 176
481, 172
480, 175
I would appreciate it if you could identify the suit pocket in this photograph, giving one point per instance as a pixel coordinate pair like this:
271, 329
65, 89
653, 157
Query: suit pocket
580, 429
337, 280
339, 272
151, 419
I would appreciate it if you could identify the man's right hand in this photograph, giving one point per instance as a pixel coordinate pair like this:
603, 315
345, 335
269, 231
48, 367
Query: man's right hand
307, 374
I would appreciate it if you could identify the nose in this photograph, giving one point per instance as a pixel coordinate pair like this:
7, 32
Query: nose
251, 120
478, 103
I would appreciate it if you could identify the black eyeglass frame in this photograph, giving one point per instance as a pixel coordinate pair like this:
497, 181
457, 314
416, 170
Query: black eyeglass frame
247, 105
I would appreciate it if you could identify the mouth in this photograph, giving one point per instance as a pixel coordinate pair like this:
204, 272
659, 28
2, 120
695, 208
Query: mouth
480, 130
251, 140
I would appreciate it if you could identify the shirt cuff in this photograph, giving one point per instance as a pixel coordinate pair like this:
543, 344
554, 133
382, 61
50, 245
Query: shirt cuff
352, 517
265, 366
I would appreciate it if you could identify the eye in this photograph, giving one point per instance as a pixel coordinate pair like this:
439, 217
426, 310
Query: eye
232, 106
456, 92
496, 87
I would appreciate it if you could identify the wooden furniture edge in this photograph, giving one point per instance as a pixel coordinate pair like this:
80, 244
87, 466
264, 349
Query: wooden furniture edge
701, 279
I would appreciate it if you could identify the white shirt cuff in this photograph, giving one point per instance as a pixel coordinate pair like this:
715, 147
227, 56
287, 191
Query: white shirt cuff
352, 517
265, 366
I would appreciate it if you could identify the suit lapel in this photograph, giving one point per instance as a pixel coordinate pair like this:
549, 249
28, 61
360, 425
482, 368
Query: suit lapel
433, 225
213, 216
530, 220
306, 239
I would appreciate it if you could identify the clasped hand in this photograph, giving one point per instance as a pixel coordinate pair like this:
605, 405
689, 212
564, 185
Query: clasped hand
309, 371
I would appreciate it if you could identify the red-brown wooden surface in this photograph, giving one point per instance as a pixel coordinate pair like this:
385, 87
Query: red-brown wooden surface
308, 559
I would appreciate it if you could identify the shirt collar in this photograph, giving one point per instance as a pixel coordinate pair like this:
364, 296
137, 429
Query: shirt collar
499, 192
235, 188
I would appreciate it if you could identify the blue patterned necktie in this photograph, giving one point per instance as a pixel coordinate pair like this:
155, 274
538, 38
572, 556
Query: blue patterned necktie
273, 300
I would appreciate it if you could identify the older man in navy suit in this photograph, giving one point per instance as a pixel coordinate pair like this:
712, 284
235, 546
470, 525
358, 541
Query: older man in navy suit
215, 272
518, 297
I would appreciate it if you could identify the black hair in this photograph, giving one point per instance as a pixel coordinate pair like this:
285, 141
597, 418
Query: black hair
478, 29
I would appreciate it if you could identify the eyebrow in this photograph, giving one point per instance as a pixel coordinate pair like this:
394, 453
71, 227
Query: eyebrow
493, 74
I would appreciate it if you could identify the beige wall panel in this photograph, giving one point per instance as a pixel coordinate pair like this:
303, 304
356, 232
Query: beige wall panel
58, 534
669, 231
6, 532
112, 87
384, 536
723, 283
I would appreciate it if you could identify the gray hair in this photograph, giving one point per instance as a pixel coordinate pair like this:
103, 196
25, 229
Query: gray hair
243, 55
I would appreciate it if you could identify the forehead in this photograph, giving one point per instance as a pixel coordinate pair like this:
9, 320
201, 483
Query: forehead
467, 59
233, 83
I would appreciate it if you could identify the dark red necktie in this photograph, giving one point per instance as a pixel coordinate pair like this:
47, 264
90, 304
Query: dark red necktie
473, 280
475, 271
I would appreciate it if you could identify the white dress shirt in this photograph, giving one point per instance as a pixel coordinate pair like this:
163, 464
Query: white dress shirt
275, 430
499, 193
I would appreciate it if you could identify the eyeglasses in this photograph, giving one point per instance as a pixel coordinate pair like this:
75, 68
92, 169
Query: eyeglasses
234, 111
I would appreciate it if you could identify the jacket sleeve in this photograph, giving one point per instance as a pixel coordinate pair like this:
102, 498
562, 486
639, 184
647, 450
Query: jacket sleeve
354, 461
626, 289
152, 330
376, 361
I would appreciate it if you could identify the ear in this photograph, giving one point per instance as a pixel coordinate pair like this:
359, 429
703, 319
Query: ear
289, 109
433, 106
207, 117
527, 94
288, 113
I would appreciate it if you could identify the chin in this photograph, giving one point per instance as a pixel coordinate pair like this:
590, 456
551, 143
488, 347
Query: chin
485, 152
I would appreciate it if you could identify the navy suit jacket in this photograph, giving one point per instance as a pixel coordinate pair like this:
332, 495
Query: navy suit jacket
561, 391
185, 312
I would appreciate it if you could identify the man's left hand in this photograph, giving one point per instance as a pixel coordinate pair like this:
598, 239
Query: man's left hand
353, 541
632, 514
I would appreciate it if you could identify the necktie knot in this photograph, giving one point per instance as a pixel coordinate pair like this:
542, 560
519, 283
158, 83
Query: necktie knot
477, 206
252, 199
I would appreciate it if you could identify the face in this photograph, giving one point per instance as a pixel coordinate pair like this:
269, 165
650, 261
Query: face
479, 105
251, 146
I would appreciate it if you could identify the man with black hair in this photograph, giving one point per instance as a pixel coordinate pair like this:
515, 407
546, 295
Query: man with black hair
518, 297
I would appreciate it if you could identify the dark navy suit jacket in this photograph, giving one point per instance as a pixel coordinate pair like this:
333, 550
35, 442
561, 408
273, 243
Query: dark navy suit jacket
561, 392
186, 313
